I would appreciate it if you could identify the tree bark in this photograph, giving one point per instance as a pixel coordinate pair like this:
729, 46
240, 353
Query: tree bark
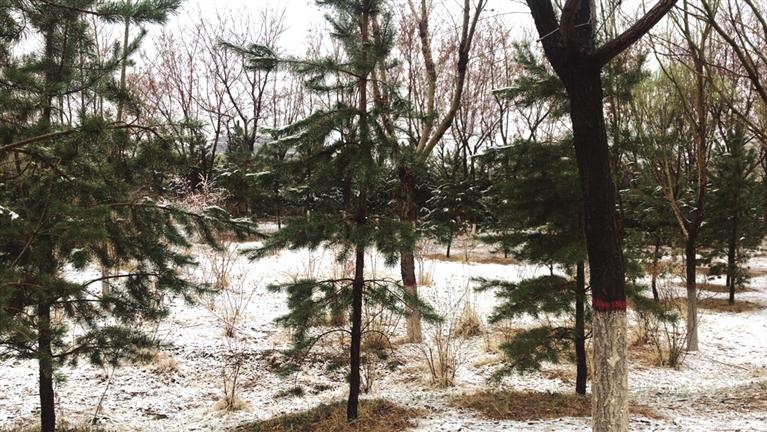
580, 329
45, 364
354, 374
408, 215
610, 410
732, 249
655, 260
692, 297
605, 251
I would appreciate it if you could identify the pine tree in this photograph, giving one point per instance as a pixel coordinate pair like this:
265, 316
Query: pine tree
347, 149
65, 206
454, 207
734, 210
539, 219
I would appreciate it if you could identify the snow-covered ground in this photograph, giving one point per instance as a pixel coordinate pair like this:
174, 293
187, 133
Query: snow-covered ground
721, 388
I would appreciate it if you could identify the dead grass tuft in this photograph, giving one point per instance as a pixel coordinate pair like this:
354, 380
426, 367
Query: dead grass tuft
722, 305
164, 363
644, 356
567, 376
469, 323
524, 406
374, 416
230, 404
719, 288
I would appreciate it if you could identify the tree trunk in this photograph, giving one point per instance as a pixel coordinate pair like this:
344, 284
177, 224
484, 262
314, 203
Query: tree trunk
655, 260
580, 329
408, 215
354, 374
609, 386
732, 248
692, 297
605, 251
45, 363
449, 243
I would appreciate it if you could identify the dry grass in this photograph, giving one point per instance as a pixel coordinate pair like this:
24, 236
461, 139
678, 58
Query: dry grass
230, 404
164, 363
468, 323
460, 258
722, 305
524, 406
374, 416
567, 376
719, 288
62, 427
757, 272
644, 356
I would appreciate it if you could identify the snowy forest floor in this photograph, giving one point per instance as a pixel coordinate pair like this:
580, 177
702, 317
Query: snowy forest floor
723, 387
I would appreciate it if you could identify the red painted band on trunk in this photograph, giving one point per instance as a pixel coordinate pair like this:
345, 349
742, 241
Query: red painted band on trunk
608, 306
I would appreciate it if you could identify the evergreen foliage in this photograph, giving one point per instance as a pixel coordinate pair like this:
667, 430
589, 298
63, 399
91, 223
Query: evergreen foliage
347, 149
735, 208
536, 200
84, 191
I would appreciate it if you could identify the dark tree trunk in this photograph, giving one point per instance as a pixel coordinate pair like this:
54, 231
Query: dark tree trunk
692, 294
354, 374
409, 215
602, 237
580, 329
655, 261
603, 243
449, 243
732, 249
278, 207
45, 363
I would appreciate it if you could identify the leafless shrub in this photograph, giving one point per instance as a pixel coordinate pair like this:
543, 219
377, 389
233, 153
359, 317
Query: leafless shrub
664, 330
379, 328
442, 349
227, 301
205, 195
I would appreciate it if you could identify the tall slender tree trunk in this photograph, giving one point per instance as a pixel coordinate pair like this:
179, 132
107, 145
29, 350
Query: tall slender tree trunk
123, 67
605, 251
580, 329
354, 374
732, 248
409, 215
45, 364
449, 243
655, 270
692, 292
